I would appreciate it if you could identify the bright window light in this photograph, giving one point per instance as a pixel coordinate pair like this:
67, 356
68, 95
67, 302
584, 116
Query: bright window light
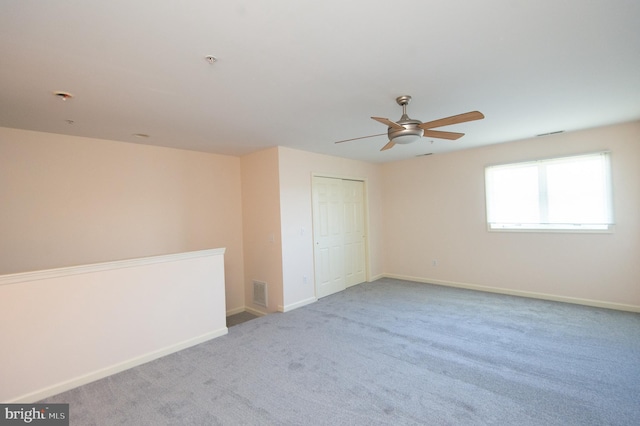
560, 194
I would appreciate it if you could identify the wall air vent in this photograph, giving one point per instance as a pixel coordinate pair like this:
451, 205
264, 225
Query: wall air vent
260, 293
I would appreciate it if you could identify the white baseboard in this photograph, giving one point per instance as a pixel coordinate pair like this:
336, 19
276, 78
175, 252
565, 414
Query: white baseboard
297, 305
521, 293
280, 308
235, 311
254, 311
246, 309
113, 369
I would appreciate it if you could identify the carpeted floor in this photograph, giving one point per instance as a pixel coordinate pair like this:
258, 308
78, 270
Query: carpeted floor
390, 353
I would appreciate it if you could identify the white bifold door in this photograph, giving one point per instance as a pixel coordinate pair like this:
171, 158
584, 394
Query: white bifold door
339, 234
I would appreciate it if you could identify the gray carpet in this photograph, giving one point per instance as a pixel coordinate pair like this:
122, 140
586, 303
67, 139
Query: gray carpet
390, 353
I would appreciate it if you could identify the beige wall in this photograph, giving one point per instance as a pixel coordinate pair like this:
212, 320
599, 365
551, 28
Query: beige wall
277, 218
435, 210
296, 170
69, 200
261, 227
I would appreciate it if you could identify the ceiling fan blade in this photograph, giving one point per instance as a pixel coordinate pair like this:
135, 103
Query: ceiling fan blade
442, 135
454, 119
388, 123
362, 137
389, 145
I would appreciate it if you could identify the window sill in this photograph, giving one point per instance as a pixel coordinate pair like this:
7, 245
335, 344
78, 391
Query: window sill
573, 229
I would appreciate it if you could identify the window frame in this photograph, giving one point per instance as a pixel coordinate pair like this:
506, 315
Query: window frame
551, 227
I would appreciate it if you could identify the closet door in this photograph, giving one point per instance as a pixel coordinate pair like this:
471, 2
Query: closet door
328, 235
339, 237
354, 236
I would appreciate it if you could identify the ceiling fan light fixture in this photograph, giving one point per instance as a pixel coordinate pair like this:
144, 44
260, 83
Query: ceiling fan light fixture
410, 133
406, 139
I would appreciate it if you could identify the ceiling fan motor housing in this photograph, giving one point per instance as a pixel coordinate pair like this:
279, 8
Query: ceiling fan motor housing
411, 131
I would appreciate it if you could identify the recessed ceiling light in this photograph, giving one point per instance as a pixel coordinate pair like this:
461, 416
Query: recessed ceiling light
141, 135
210, 58
63, 95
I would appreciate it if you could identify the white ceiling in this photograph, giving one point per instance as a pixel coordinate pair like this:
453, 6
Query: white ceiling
305, 74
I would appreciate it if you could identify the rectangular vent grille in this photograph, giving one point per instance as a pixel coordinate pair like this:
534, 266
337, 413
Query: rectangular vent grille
260, 293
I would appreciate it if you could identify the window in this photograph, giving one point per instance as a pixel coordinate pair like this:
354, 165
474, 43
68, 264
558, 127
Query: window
562, 194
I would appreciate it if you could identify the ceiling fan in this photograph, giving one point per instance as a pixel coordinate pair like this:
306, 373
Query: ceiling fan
407, 130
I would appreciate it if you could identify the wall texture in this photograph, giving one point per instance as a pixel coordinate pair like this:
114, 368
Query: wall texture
70, 200
435, 210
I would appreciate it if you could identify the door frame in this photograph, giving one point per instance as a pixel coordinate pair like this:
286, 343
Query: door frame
367, 249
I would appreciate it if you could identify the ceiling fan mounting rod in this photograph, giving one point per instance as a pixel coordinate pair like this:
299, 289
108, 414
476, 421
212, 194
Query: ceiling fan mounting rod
403, 101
